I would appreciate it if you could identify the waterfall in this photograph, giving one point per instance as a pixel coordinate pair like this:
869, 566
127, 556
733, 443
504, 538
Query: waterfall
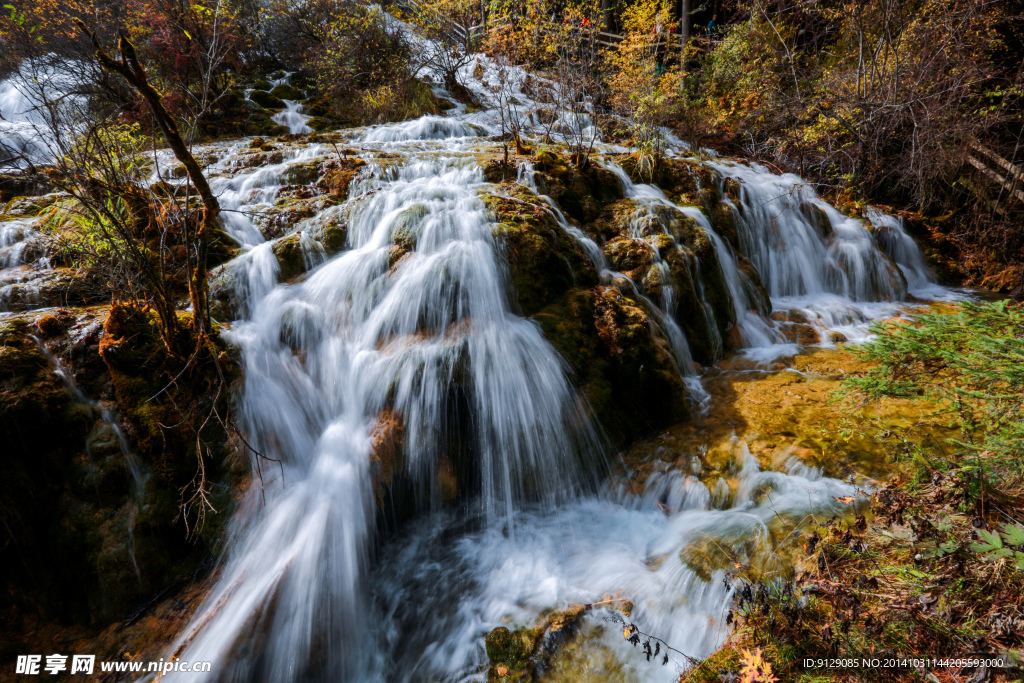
24, 129
292, 117
39, 95
901, 248
802, 246
430, 338
394, 375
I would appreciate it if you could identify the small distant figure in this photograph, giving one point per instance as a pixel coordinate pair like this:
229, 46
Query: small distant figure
713, 25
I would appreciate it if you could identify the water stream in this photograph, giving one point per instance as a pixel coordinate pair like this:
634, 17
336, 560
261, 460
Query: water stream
409, 333
430, 341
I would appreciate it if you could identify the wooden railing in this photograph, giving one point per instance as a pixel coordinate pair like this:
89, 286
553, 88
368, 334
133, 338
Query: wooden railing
470, 35
996, 168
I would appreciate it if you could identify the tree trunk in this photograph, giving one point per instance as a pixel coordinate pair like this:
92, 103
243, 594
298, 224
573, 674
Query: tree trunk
131, 70
684, 31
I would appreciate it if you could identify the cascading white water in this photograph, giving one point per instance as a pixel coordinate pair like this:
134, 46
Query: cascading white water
293, 118
324, 358
755, 331
33, 99
444, 585
799, 254
24, 129
411, 324
901, 248
15, 241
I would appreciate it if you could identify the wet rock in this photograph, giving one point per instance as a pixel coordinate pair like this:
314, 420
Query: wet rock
801, 333
817, 217
291, 208
544, 262
511, 651
26, 288
339, 175
258, 158
41, 429
17, 183
581, 193
23, 207
387, 453
632, 257
286, 92
702, 303
261, 122
302, 173
683, 181
405, 229
619, 359
495, 171
266, 100
305, 249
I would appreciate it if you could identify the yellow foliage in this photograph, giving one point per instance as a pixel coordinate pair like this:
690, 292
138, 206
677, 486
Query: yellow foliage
755, 669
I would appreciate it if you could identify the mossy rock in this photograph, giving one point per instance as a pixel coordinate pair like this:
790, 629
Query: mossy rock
817, 217
266, 100
632, 257
339, 176
495, 171
580, 193
222, 247
510, 648
299, 252
544, 262
88, 551
724, 219
684, 181
322, 123
703, 305
405, 228
302, 173
42, 431
293, 206
293, 256
260, 122
36, 288
619, 359
21, 207
261, 84
287, 92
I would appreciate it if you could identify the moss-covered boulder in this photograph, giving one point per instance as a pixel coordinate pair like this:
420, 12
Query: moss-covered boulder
510, 652
659, 246
293, 205
305, 249
581, 193
22, 289
619, 359
88, 542
261, 122
287, 92
632, 257
544, 261
266, 100
23, 207
303, 172
684, 181
42, 431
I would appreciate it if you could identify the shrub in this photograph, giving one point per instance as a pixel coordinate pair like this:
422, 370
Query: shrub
973, 360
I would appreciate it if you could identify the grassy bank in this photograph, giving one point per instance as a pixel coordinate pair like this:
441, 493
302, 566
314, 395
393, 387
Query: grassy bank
934, 567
